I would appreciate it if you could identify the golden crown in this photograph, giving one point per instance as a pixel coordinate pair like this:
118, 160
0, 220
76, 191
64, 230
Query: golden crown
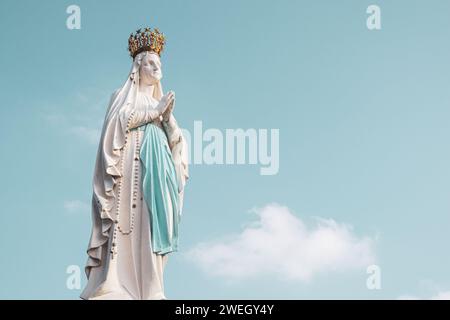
146, 40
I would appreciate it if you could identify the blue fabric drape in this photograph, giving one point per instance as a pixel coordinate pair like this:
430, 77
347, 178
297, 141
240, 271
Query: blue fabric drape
158, 174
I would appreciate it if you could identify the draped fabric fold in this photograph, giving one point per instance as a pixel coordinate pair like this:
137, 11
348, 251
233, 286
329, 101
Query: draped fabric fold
160, 187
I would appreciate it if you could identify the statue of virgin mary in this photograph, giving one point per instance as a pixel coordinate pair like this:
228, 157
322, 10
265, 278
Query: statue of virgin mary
140, 172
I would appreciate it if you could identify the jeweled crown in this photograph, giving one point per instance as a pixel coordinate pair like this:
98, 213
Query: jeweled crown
146, 40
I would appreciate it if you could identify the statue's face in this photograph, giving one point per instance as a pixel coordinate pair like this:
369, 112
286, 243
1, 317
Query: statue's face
150, 70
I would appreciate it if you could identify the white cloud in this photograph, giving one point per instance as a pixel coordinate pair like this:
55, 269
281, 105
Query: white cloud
82, 117
442, 295
280, 244
88, 134
76, 206
434, 291
407, 297
55, 118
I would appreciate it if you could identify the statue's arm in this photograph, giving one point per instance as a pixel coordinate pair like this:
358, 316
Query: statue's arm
141, 117
179, 148
173, 131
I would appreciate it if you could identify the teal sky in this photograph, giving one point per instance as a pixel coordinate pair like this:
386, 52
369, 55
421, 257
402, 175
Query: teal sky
363, 119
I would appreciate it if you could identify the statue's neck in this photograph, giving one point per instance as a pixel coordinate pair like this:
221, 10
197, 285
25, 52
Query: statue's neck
147, 90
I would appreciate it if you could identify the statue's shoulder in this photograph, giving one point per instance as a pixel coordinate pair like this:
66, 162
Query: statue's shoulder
114, 95
111, 101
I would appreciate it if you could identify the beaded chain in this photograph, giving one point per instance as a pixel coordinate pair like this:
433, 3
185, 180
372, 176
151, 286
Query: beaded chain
117, 226
135, 187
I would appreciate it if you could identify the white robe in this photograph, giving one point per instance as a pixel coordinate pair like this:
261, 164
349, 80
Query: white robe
135, 272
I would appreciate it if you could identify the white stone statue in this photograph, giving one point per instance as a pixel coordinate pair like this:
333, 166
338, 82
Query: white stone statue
138, 186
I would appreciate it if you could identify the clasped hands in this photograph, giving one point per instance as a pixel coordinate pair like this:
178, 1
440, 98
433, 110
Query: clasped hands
166, 105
